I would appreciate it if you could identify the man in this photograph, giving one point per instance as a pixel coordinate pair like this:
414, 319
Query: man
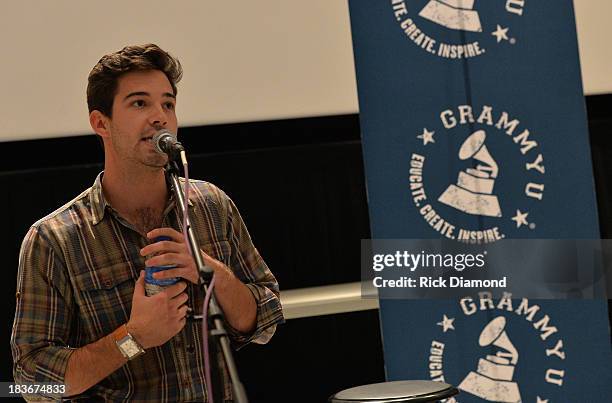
82, 316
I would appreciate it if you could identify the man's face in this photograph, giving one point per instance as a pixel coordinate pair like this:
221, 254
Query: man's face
144, 104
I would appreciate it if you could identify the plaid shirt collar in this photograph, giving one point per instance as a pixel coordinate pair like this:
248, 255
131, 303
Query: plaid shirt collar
98, 203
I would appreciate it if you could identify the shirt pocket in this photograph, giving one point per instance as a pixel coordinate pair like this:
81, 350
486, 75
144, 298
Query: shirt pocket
104, 298
220, 250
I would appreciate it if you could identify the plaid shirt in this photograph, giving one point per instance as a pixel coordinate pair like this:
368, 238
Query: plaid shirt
77, 270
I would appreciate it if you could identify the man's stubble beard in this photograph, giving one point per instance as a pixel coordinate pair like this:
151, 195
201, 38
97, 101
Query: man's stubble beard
139, 154
156, 161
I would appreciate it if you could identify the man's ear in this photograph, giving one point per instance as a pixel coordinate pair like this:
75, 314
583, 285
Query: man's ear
100, 123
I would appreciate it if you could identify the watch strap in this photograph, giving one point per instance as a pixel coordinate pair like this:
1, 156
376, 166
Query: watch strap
120, 332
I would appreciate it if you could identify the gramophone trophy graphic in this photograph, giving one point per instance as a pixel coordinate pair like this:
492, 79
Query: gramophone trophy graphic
473, 193
453, 14
492, 380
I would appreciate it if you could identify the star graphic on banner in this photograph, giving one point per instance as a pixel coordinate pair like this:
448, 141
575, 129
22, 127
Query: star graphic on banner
447, 323
540, 400
500, 33
520, 218
427, 137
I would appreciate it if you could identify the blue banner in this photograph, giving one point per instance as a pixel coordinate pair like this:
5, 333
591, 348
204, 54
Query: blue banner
474, 129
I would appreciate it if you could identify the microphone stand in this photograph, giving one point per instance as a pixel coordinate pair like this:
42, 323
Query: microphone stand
217, 329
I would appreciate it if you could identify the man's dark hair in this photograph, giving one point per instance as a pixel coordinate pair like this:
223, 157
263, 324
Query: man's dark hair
103, 78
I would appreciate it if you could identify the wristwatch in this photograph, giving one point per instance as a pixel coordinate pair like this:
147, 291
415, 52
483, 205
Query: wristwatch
128, 346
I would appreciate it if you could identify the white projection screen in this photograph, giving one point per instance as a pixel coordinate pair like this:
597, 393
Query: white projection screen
243, 60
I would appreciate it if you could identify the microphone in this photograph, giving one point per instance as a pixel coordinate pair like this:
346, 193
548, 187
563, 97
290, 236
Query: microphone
166, 143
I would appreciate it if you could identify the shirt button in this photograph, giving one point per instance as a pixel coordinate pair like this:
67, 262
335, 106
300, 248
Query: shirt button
186, 383
108, 283
190, 349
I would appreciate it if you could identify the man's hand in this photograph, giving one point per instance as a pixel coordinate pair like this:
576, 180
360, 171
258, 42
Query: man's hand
174, 252
155, 320
236, 300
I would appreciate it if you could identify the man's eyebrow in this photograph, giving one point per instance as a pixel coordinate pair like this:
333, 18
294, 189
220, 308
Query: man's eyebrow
146, 94
136, 94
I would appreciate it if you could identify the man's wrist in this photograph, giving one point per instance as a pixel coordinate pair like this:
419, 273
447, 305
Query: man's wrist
223, 275
127, 343
136, 335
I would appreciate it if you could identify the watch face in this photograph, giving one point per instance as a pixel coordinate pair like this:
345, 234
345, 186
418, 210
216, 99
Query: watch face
131, 349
